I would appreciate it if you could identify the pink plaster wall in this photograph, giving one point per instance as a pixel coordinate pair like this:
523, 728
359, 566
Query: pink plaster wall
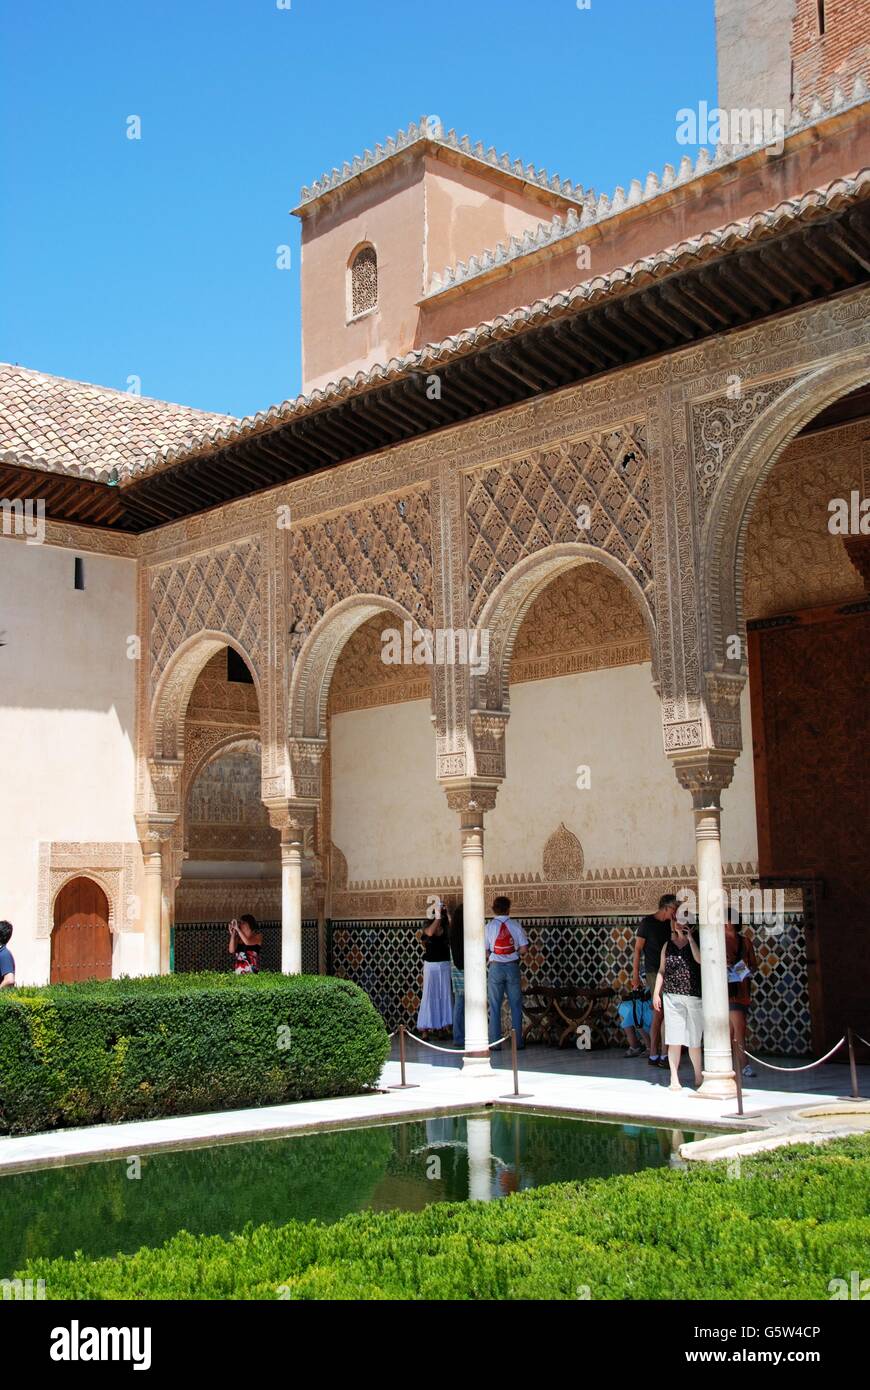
700, 207
387, 211
428, 210
422, 213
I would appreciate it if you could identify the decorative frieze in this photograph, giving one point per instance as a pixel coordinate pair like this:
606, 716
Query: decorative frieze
635, 889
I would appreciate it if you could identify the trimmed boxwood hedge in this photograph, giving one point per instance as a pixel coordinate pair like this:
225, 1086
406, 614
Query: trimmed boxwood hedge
176, 1044
794, 1220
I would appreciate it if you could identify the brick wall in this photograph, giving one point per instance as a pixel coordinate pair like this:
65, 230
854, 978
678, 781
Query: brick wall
841, 53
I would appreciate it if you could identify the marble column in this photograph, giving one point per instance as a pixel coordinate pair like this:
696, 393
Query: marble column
706, 776
152, 907
471, 801
292, 848
718, 1069
165, 928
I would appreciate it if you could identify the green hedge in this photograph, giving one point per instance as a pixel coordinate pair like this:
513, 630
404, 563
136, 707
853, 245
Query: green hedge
177, 1044
793, 1221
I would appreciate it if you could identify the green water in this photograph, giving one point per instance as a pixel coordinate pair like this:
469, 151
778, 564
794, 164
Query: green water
102, 1208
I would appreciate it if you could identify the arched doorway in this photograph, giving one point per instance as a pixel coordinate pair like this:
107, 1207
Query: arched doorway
81, 942
385, 836
229, 856
804, 596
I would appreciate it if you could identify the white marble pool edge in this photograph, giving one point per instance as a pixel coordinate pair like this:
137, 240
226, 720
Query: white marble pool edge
433, 1091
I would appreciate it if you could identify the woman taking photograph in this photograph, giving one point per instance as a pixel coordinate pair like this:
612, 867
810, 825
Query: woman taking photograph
678, 986
436, 1006
244, 945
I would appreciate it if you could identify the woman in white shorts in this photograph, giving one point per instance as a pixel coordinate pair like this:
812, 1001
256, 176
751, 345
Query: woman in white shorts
678, 986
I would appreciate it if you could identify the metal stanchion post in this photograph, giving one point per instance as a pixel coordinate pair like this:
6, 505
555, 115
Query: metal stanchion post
516, 1094
853, 1069
737, 1064
403, 1085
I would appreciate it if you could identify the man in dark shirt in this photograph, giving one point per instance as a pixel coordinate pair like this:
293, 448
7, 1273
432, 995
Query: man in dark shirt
457, 973
653, 932
7, 960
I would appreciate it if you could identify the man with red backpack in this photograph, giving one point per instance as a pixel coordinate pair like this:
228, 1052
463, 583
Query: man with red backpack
506, 942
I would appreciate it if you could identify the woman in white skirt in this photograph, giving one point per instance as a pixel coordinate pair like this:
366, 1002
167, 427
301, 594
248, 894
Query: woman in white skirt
436, 1006
678, 985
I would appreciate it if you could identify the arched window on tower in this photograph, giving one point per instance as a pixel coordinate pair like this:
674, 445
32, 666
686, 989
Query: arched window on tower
363, 289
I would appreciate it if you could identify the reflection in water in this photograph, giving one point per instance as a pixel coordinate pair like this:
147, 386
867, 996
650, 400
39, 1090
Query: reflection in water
479, 1158
98, 1209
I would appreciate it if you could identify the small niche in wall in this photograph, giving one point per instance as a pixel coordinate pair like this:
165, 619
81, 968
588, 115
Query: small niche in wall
79, 573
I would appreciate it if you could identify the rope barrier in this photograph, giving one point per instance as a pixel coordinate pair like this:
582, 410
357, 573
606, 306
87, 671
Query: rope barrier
454, 1051
809, 1066
862, 1040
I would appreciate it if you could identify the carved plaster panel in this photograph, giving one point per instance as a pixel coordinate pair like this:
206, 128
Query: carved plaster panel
219, 900
718, 425
226, 818
116, 867
791, 559
562, 859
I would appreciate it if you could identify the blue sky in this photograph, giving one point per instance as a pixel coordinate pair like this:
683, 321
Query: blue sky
156, 257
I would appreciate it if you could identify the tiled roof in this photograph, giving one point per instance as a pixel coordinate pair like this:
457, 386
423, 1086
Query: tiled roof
62, 426
843, 192
430, 129
596, 210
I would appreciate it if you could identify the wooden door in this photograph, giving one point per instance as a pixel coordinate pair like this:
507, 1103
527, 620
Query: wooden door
809, 674
81, 943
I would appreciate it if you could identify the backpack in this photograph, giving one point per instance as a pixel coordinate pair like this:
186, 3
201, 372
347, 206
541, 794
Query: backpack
504, 944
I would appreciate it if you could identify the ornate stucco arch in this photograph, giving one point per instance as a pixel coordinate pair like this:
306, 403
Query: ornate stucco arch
172, 695
318, 656
506, 607
723, 536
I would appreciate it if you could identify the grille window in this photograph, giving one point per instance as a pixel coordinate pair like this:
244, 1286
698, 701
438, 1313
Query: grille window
363, 281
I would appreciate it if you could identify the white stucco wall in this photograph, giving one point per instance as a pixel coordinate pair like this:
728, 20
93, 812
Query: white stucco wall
634, 812
391, 820
67, 701
389, 816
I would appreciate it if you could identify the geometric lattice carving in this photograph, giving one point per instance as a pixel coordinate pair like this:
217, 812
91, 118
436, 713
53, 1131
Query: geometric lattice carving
383, 549
563, 856
217, 591
530, 503
364, 281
